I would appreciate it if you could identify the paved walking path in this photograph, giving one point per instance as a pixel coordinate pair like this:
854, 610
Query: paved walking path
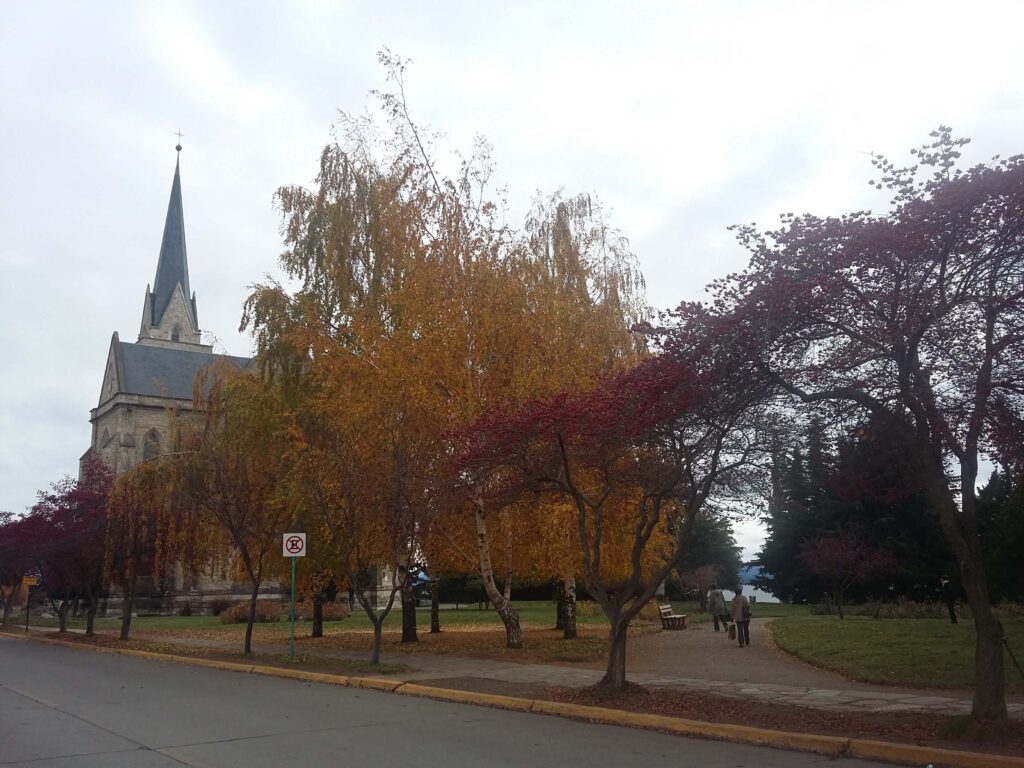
697, 659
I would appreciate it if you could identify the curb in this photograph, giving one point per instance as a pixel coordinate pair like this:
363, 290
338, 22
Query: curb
830, 746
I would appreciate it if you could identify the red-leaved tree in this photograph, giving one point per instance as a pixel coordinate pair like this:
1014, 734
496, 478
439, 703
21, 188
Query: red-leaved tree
844, 559
15, 560
68, 526
637, 457
915, 318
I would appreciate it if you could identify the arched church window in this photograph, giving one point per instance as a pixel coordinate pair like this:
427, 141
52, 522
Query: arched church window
176, 333
151, 445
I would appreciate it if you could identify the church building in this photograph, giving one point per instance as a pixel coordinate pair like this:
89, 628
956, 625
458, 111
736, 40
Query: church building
146, 381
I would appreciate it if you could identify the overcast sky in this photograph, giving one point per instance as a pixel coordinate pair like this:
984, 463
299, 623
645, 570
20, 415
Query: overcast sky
683, 117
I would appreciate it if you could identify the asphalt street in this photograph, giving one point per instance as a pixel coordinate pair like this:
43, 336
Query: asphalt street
66, 708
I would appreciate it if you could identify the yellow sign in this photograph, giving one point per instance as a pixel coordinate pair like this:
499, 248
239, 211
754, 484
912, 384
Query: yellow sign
29, 581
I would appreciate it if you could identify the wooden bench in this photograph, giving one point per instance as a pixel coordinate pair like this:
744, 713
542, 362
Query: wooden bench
670, 620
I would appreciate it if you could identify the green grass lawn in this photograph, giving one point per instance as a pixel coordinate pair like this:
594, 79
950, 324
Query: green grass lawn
150, 622
758, 610
928, 653
537, 613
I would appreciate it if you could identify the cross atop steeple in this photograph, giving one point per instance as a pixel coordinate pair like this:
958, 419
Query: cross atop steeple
180, 136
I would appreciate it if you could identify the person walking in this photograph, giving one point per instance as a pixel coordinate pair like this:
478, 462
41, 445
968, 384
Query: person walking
949, 597
716, 604
741, 615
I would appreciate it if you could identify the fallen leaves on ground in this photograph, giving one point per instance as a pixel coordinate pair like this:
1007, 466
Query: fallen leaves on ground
917, 728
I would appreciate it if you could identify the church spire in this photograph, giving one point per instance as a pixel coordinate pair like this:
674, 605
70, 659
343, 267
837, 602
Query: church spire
172, 267
169, 313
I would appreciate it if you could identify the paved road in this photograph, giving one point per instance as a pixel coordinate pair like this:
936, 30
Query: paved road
62, 708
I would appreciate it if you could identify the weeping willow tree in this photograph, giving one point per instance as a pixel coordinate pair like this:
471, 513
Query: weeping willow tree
410, 282
150, 531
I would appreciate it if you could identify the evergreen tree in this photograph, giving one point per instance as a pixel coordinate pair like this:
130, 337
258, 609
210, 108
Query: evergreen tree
863, 484
1001, 524
712, 544
793, 517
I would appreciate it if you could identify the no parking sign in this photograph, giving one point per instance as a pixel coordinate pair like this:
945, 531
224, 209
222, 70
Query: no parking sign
294, 545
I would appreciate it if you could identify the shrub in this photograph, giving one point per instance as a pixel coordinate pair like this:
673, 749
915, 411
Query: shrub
332, 611
821, 609
592, 608
218, 606
650, 612
185, 610
1010, 610
266, 611
898, 609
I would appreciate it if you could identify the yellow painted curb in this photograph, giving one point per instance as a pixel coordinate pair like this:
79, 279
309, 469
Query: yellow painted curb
230, 666
912, 754
192, 661
466, 697
301, 674
375, 683
832, 746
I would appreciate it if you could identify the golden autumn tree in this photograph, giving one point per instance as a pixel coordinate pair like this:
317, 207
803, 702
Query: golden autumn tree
232, 467
149, 532
364, 459
638, 457
412, 286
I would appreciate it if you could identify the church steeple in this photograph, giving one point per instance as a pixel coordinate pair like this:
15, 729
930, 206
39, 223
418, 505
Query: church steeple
169, 313
172, 268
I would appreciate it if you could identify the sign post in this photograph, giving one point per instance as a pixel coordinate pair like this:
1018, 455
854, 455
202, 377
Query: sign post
28, 582
293, 545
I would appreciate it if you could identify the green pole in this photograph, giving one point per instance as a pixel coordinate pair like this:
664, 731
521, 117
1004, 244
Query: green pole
293, 608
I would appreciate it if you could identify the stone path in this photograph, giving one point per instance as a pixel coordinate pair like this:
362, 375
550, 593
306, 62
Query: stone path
696, 659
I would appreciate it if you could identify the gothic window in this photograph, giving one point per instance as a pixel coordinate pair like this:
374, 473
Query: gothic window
151, 445
176, 333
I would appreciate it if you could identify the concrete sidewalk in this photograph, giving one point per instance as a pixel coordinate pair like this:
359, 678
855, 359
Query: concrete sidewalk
828, 691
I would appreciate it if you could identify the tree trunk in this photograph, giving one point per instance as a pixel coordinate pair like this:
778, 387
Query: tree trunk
127, 606
961, 532
569, 608
62, 615
252, 616
91, 606
560, 605
989, 676
989, 682
378, 626
435, 608
318, 614
509, 616
615, 674
507, 591
408, 610
8, 607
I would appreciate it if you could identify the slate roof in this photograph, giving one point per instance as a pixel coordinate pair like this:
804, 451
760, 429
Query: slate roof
172, 267
164, 371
